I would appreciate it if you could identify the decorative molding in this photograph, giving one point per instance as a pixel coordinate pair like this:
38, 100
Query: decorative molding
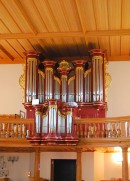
22, 83
108, 79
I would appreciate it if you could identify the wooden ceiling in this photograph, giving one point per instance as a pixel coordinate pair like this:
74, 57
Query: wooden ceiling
64, 28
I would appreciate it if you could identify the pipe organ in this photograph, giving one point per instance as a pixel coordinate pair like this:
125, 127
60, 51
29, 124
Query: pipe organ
63, 92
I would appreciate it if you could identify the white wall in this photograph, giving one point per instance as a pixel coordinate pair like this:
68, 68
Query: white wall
10, 91
88, 166
18, 171
119, 90
98, 166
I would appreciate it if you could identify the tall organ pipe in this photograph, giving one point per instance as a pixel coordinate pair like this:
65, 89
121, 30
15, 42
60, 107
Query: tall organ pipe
79, 82
97, 58
49, 79
31, 84
64, 68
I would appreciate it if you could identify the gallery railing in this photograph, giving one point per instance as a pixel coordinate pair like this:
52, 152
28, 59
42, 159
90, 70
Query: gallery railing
115, 127
11, 127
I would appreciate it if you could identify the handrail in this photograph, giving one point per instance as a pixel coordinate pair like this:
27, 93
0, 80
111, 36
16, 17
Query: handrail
16, 121
78, 120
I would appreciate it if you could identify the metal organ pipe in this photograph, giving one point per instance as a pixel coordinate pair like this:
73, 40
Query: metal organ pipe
88, 87
41, 78
64, 88
97, 57
97, 80
31, 76
64, 68
79, 80
49, 79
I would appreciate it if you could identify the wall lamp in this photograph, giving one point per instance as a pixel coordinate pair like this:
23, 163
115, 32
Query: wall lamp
13, 159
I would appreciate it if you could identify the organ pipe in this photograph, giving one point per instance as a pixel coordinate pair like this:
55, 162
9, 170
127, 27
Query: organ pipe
97, 58
79, 82
64, 68
32, 61
49, 79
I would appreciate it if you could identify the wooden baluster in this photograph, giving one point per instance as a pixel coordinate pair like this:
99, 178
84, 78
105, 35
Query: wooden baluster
77, 130
11, 130
103, 133
14, 129
16, 134
89, 131
98, 130
20, 130
4, 131
85, 130
7, 133
81, 130
0, 129
24, 131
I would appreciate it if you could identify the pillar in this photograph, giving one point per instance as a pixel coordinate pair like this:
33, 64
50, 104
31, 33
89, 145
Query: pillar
79, 166
125, 173
37, 165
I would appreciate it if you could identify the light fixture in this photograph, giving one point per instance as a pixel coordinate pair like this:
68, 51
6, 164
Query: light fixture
29, 173
13, 158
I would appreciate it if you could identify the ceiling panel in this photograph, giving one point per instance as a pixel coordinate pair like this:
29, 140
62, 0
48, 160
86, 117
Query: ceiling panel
86, 14
68, 28
125, 14
101, 14
115, 45
104, 43
125, 45
114, 14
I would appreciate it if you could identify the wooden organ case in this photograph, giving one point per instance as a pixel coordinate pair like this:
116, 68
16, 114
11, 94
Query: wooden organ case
63, 90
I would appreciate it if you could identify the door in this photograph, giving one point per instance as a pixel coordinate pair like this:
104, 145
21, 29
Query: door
63, 170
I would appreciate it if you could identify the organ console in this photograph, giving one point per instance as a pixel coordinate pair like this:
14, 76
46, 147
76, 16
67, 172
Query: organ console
69, 90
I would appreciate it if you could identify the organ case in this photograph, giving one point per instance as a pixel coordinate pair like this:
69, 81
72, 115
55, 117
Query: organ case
69, 90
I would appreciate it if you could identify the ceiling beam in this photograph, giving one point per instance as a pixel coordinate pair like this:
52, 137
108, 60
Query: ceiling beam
11, 58
64, 34
14, 61
119, 58
107, 33
40, 35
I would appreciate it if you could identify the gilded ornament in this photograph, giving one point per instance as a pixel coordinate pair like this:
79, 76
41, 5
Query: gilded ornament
108, 78
22, 83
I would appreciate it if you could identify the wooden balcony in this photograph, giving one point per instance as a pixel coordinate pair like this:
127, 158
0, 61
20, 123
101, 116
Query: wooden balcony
94, 134
103, 133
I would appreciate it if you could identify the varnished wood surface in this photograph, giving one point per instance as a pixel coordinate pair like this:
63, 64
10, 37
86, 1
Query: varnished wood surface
102, 144
63, 28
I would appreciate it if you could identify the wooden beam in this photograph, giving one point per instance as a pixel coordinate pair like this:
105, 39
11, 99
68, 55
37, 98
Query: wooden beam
107, 33
40, 35
119, 58
7, 53
9, 61
64, 34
